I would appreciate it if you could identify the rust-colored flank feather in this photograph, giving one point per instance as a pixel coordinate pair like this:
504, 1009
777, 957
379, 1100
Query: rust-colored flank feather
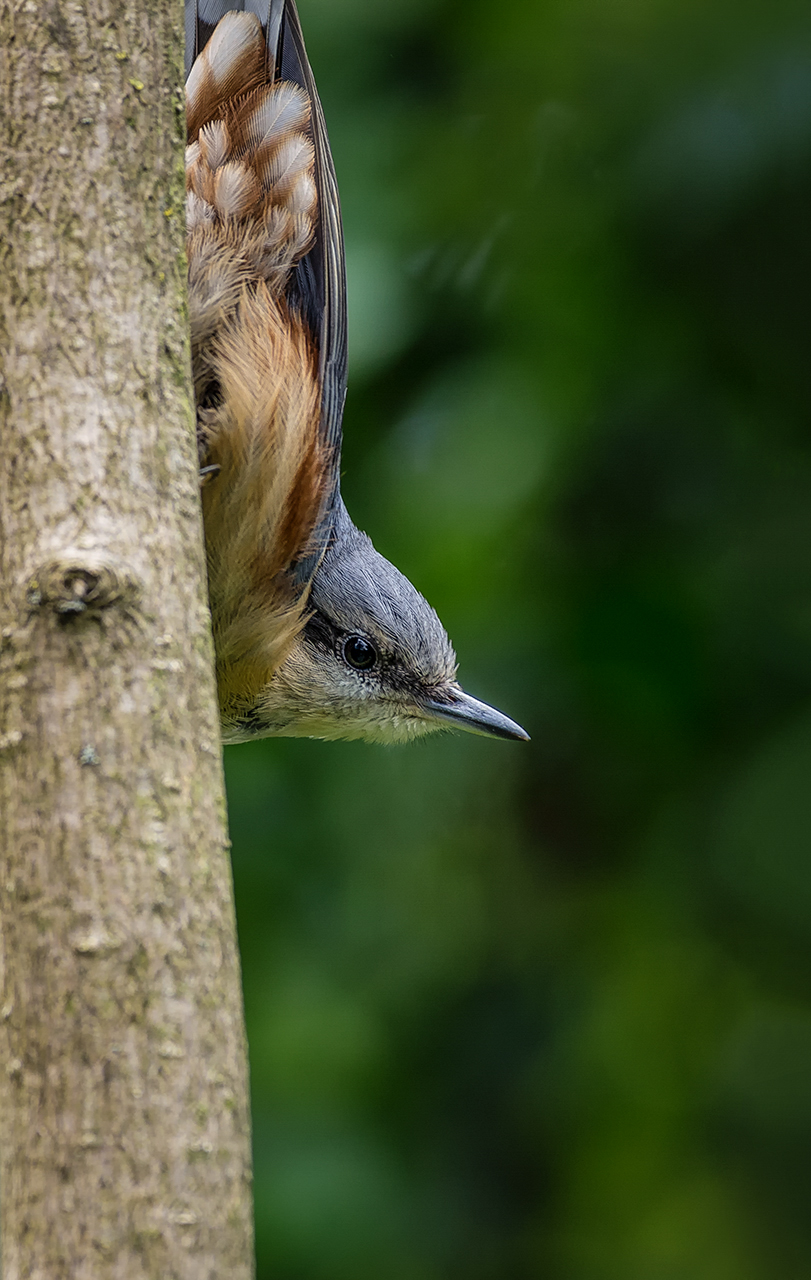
251, 214
316, 634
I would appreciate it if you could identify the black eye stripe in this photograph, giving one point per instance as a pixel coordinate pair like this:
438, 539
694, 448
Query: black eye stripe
321, 632
360, 653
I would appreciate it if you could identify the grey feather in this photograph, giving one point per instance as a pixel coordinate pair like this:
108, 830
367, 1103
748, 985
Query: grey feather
360, 591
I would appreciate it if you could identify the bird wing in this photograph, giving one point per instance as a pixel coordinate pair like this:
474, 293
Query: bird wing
318, 281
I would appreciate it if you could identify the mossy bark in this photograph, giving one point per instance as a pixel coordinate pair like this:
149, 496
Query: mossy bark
124, 1132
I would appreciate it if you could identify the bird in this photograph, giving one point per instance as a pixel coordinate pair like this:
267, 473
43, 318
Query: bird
315, 633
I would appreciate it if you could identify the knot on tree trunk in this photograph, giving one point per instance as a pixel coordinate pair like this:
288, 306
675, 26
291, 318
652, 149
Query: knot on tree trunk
78, 582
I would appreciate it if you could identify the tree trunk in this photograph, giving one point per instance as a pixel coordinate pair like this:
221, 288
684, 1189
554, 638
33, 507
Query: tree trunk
124, 1133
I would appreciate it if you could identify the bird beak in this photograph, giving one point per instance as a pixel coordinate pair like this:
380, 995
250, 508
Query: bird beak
463, 712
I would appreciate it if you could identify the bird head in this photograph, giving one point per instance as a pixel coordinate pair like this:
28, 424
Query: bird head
373, 660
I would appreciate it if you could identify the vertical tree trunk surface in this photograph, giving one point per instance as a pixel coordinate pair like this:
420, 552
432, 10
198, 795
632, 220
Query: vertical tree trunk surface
124, 1134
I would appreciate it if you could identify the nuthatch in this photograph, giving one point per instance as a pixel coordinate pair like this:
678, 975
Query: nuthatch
316, 635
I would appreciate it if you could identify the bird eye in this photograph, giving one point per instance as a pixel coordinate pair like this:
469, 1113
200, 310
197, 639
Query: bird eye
360, 653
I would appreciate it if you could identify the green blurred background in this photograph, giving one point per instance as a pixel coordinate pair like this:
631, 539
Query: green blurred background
545, 1011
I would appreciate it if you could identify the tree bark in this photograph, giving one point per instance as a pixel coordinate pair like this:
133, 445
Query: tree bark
124, 1133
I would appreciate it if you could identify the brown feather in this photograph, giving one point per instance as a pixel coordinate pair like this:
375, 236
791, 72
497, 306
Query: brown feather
258, 510
251, 216
233, 61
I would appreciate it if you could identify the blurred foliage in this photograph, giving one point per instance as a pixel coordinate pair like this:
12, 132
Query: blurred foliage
545, 1011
